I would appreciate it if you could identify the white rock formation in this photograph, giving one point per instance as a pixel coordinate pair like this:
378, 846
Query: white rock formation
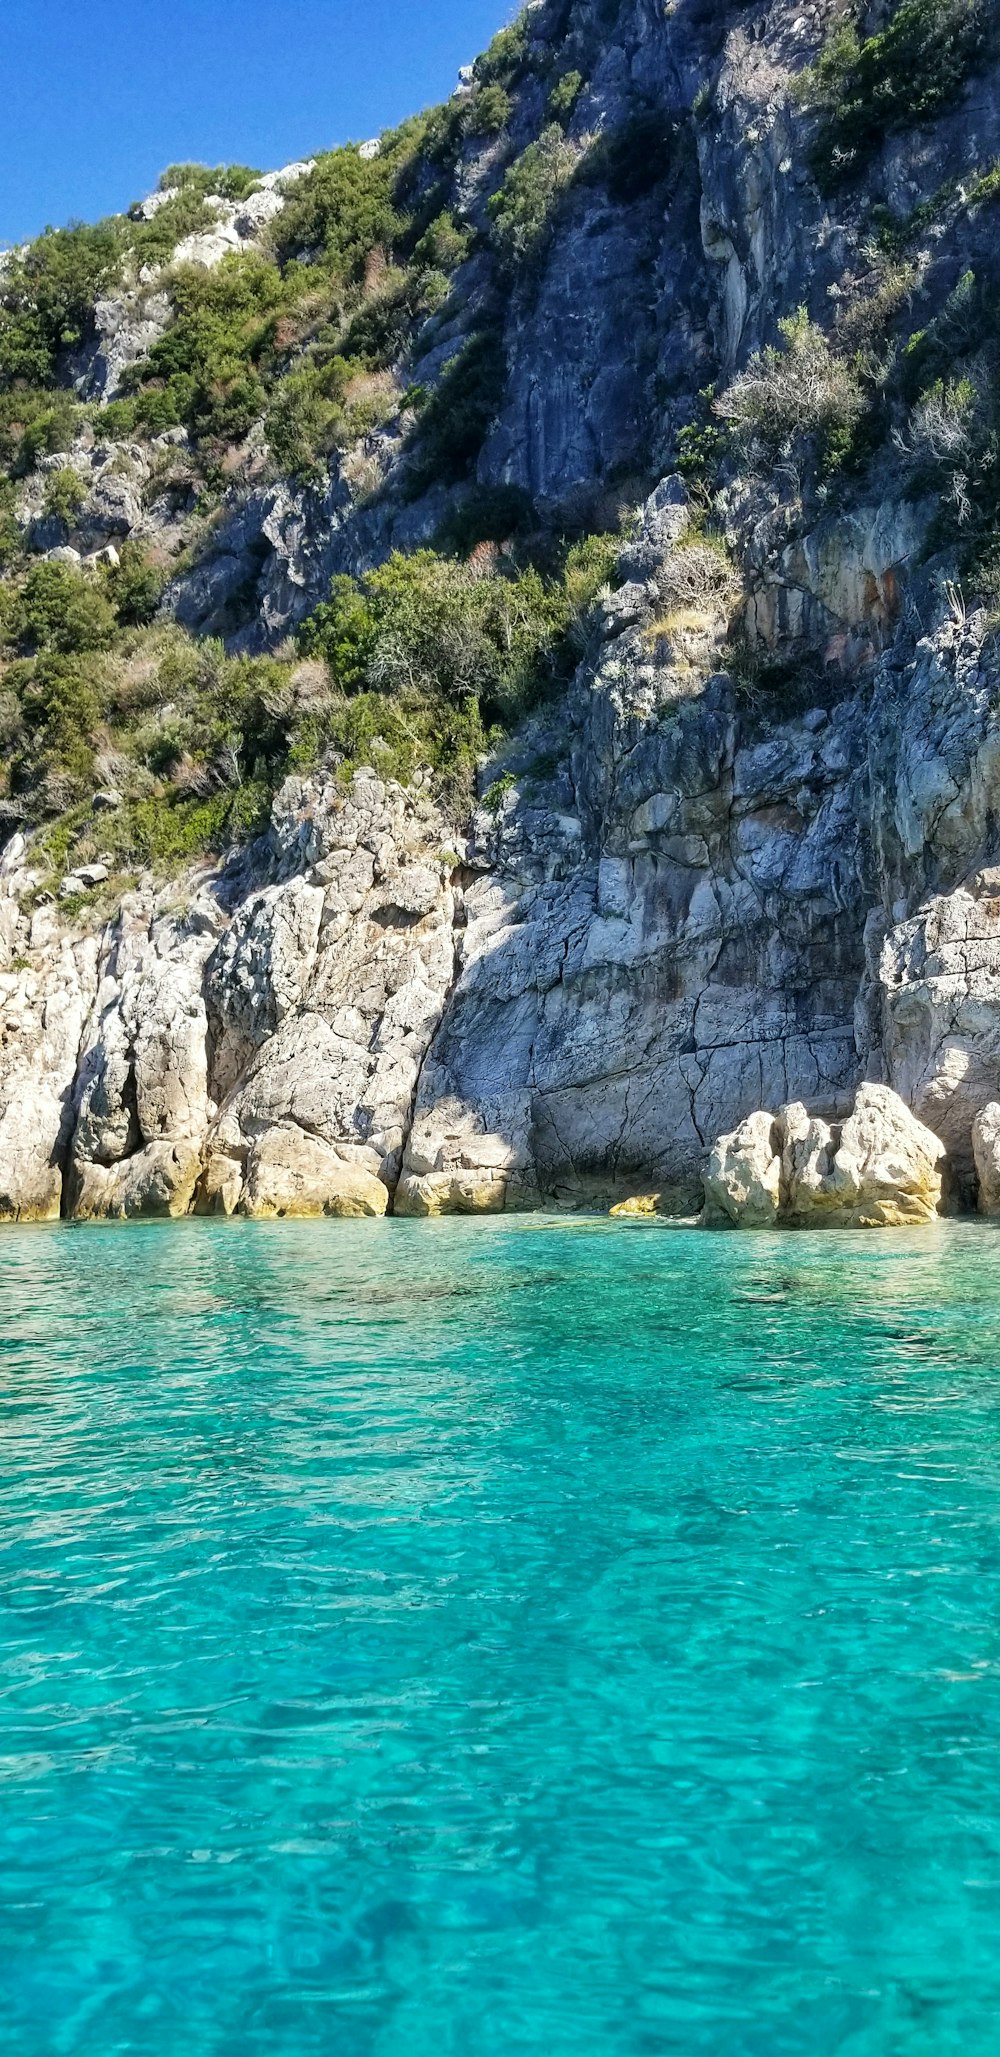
986, 1145
881, 1170
743, 1179
43, 1009
142, 1095
326, 990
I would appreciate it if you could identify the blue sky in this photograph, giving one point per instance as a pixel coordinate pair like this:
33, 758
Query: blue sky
98, 98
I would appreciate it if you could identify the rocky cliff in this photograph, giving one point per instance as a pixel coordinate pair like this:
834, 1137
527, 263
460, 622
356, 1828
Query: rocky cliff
744, 849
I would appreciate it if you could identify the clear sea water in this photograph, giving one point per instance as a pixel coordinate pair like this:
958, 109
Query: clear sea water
554, 1637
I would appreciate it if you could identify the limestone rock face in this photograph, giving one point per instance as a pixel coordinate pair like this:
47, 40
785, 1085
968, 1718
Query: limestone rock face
159, 1179
930, 1013
43, 1011
142, 1101
323, 996
258, 1050
657, 941
986, 1144
880, 1170
939, 993
887, 1164
743, 1180
290, 1172
809, 1182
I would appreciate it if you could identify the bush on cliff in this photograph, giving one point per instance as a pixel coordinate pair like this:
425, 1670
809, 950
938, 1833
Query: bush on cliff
58, 609
64, 495
47, 296
488, 111
429, 628
522, 210
907, 73
802, 390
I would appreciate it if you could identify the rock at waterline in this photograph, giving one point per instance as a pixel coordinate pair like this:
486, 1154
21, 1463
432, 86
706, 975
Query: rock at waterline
880, 1170
743, 1180
986, 1149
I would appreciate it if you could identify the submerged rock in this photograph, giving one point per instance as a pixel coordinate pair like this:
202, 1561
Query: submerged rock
641, 1207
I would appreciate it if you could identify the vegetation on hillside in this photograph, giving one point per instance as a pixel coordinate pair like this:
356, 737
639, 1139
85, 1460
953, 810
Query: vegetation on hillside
368, 323
414, 665
906, 74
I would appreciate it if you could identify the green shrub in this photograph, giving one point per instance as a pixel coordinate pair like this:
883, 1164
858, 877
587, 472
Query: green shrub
590, 566
985, 189
564, 96
427, 626
503, 61
523, 209
380, 330
60, 703
47, 297
443, 245
134, 586
370, 730
43, 429
64, 495
429, 630
701, 445
303, 417
906, 74
166, 831
10, 535
153, 242
441, 141
224, 181
488, 111
343, 208
202, 372
802, 390
59, 609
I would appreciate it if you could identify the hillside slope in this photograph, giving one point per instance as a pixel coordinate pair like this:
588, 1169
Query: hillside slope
499, 670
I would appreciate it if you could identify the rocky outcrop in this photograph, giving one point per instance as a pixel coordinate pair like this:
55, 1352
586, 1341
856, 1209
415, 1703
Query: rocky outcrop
986, 1148
251, 1040
677, 907
141, 1097
43, 1008
879, 1170
743, 1180
324, 994
664, 920
291, 1172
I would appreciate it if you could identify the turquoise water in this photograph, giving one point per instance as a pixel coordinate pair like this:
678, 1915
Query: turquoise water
567, 1638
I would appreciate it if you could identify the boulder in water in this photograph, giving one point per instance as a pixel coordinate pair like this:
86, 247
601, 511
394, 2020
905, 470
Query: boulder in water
880, 1170
743, 1180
